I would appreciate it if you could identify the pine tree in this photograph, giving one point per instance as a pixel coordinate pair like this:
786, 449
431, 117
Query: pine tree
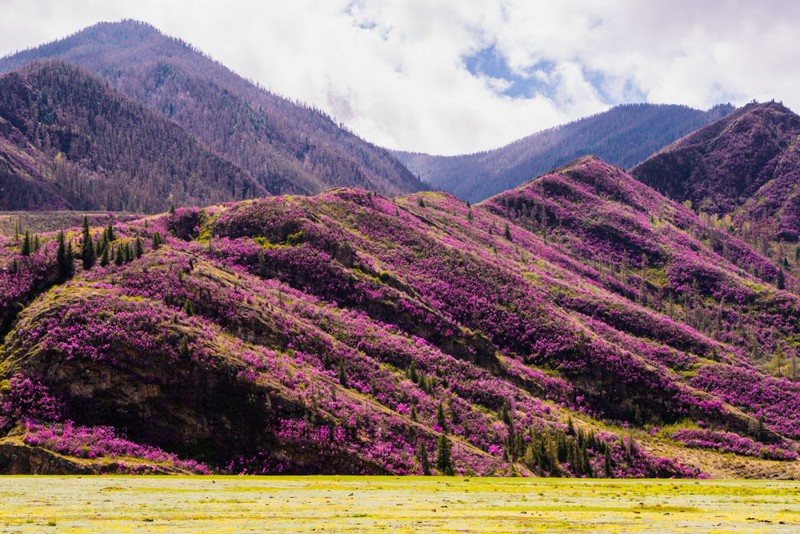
444, 461
188, 309
110, 232
104, 260
137, 249
507, 232
156, 241
441, 420
119, 258
421, 202
422, 456
781, 282
27, 247
470, 217
36, 245
87, 247
61, 256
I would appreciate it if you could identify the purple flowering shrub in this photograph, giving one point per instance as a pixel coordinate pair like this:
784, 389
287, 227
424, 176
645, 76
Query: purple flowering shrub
732, 442
101, 442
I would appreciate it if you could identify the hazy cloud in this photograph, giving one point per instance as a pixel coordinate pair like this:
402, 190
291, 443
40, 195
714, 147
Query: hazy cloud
449, 77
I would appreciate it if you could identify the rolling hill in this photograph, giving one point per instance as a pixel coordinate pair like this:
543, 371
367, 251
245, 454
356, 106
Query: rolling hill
286, 147
581, 324
623, 135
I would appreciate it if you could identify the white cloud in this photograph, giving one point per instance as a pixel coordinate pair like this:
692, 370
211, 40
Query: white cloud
395, 73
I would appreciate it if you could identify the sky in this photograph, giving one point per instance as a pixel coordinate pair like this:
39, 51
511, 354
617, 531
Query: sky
446, 77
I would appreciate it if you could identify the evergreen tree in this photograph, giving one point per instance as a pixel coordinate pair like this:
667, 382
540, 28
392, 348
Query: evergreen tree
421, 202
156, 241
104, 259
188, 309
441, 420
470, 217
27, 246
185, 348
69, 268
36, 245
119, 258
422, 456
444, 461
507, 232
137, 249
61, 256
342, 374
87, 247
110, 232
781, 282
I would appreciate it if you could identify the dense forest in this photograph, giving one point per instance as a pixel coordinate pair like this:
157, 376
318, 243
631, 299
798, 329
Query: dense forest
91, 148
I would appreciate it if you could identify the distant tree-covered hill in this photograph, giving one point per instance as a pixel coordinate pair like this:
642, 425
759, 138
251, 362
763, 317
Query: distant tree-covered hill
743, 171
623, 136
67, 140
287, 147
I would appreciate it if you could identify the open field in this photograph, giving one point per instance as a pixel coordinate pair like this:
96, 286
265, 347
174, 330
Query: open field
393, 504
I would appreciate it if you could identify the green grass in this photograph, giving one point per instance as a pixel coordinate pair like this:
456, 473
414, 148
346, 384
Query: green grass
394, 504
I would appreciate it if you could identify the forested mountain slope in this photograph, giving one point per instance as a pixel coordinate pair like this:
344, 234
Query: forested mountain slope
67, 140
287, 147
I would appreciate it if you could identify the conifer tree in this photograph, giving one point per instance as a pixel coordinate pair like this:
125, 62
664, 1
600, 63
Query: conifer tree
119, 257
156, 244
507, 232
27, 247
421, 202
441, 420
188, 309
422, 456
87, 247
342, 374
444, 461
138, 250
781, 282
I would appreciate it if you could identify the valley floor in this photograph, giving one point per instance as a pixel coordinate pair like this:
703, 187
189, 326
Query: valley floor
393, 504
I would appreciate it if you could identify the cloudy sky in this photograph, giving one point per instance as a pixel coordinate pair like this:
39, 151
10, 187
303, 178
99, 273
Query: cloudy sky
449, 77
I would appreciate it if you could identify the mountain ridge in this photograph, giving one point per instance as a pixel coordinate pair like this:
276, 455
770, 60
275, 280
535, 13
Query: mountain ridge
286, 147
624, 135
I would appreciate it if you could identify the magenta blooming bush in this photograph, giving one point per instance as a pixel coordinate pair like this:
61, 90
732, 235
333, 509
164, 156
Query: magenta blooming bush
775, 400
100, 442
731, 442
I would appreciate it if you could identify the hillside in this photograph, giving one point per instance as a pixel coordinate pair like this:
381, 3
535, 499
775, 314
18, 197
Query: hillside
287, 147
623, 135
580, 325
744, 166
69, 141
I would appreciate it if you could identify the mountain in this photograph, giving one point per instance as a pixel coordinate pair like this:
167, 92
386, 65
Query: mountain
287, 147
70, 141
579, 325
623, 135
744, 166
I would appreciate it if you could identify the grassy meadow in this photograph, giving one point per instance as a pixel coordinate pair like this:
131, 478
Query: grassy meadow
393, 504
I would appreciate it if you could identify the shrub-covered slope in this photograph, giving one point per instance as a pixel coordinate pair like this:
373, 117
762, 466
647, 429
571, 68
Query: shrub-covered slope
623, 135
69, 141
744, 166
350, 333
287, 147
